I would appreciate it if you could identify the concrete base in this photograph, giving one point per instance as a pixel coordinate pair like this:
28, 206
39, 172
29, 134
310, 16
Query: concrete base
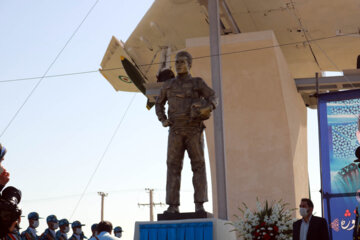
190, 229
264, 121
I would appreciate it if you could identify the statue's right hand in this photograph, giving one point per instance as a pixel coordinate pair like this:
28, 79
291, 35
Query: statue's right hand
166, 123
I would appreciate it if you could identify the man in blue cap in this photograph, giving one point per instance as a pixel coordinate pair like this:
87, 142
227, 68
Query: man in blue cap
94, 232
49, 233
77, 231
30, 232
61, 234
118, 231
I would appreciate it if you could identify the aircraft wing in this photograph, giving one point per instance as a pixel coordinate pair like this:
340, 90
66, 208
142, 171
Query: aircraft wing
113, 70
313, 35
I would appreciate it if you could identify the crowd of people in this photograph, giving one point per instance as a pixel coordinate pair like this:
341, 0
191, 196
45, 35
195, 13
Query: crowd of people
59, 230
100, 231
10, 217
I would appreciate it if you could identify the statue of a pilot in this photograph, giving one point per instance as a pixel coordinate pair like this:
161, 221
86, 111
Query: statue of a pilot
190, 102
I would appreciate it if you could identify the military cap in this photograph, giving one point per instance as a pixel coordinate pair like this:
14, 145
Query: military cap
33, 216
118, 229
63, 222
52, 218
77, 224
94, 226
2, 151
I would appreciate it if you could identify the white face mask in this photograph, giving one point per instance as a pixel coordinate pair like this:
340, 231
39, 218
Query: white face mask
66, 230
118, 234
303, 212
35, 224
55, 226
78, 231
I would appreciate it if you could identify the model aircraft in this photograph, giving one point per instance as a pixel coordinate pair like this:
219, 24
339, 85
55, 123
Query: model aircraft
314, 36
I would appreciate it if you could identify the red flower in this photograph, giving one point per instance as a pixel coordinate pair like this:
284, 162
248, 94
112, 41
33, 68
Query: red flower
276, 229
266, 237
263, 224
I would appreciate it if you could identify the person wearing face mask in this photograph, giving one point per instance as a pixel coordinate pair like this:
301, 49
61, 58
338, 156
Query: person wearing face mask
77, 231
4, 175
310, 227
30, 232
61, 234
49, 233
94, 232
118, 232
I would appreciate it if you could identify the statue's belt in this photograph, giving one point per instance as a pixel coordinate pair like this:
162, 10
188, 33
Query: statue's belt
185, 123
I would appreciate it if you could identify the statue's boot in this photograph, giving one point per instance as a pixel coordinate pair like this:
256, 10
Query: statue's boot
172, 209
199, 207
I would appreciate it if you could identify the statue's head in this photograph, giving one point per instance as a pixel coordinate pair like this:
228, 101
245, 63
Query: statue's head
183, 61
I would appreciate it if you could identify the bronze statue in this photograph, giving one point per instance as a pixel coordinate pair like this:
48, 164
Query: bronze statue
190, 101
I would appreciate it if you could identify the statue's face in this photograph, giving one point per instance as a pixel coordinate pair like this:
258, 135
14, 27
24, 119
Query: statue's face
181, 65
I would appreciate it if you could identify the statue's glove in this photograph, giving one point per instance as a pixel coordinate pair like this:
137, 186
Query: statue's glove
166, 123
201, 110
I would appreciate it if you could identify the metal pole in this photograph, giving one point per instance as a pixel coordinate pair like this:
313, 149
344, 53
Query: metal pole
103, 195
102, 207
218, 113
151, 205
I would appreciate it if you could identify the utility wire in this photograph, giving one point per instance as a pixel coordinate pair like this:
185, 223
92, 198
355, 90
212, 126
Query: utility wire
103, 155
297, 16
303, 26
48, 69
201, 57
79, 194
49, 76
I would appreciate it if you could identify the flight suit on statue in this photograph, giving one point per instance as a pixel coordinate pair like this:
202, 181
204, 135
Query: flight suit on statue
190, 101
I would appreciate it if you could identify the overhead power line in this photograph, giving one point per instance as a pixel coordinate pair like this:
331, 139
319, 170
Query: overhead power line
200, 57
49, 76
309, 38
59, 197
103, 155
47, 70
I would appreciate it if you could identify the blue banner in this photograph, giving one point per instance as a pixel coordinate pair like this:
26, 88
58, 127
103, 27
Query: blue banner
177, 231
340, 176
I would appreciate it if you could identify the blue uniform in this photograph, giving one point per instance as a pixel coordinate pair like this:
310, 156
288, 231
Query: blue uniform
29, 235
81, 237
60, 236
47, 235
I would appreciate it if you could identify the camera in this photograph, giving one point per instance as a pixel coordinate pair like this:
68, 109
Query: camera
9, 210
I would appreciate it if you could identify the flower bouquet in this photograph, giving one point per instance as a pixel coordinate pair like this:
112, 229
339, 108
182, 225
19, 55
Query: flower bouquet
268, 222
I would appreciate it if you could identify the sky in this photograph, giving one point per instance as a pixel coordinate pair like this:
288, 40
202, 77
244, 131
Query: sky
77, 136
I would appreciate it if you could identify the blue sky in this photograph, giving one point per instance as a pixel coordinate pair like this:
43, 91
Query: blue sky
58, 138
